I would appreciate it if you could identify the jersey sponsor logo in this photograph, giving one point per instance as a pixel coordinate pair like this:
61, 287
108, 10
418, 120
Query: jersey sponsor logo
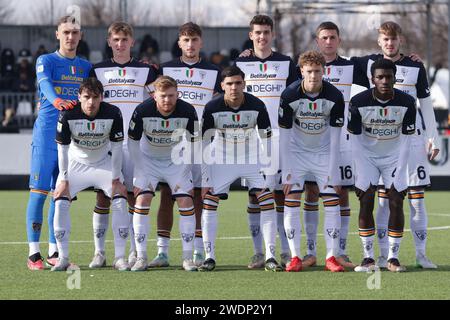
189, 82
121, 81
235, 126
262, 75
260, 88
66, 91
383, 132
72, 78
311, 114
121, 93
191, 95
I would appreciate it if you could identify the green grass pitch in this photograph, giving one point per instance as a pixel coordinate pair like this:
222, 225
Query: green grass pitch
231, 279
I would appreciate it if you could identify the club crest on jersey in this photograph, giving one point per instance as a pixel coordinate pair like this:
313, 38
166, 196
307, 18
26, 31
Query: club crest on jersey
202, 74
236, 117
263, 67
189, 73
165, 123
276, 67
340, 71
404, 71
383, 112
312, 106
122, 72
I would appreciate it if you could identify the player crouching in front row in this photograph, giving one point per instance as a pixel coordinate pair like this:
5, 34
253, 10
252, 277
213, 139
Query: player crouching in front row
160, 119
85, 135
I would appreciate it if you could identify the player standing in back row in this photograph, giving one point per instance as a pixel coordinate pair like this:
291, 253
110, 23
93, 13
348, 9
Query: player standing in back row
198, 80
267, 74
59, 75
125, 81
410, 78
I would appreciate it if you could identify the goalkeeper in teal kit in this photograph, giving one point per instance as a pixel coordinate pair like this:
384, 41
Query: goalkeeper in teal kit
59, 75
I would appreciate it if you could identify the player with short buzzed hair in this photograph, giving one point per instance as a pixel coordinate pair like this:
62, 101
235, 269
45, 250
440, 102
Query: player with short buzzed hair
410, 78
163, 124
381, 120
236, 120
311, 115
86, 136
59, 74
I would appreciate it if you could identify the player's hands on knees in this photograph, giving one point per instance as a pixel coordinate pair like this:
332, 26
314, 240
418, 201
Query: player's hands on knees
118, 188
62, 189
246, 53
61, 104
205, 190
432, 150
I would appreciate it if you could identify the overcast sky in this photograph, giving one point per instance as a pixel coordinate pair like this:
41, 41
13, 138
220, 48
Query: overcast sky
214, 13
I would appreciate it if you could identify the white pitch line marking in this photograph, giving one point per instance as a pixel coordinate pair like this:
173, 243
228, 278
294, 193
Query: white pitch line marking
179, 239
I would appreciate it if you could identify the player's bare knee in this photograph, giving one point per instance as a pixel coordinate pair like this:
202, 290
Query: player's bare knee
279, 198
144, 199
343, 198
185, 202
102, 200
311, 192
252, 199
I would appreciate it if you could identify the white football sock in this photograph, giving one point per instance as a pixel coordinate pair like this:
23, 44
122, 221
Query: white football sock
418, 220
100, 222
311, 222
332, 226
292, 225
345, 221
254, 220
62, 226
141, 225
120, 225
382, 220
187, 231
284, 244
